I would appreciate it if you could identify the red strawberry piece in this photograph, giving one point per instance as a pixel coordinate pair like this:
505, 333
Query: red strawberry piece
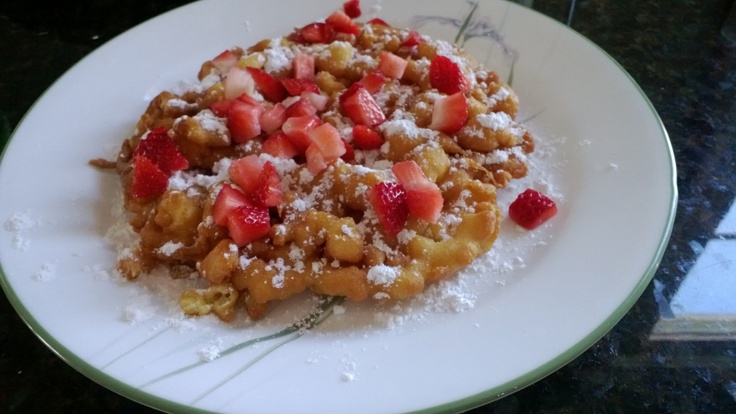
248, 223
391, 65
295, 87
270, 87
373, 81
532, 208
302, 107
425, 202
160, 149
224, 61
423, 197
148, 180
297, 128
349, 154
272, 118
342, 23
303, 66
327, 139
243, 121
378, 22
227, 200
366, 138
278, 145
388, 199
238, 82
450, 113
247, 99
317, 33
315, 159
446, 76
352, 8
360, 106
412, 39
268, 193
245, 173
221, 108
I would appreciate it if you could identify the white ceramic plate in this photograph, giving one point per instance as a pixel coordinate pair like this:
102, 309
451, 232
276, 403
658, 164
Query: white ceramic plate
543, 298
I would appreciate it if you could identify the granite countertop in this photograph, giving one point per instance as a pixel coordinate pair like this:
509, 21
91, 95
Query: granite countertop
677, 54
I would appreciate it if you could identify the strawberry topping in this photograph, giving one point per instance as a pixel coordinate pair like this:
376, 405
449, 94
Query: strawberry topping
446, 76
388, 199
373, 81
278, 145
268, 193
352, 8
303, 66
247, 223
342, 23
532, 208
317, 33
161, 150
295, 87
423, 197
148, 180
366, 138
450, 113
227, 200
360, 106
269, 86
243, 121
391, 65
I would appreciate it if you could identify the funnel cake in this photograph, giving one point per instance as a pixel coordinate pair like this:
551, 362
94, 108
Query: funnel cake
346, 159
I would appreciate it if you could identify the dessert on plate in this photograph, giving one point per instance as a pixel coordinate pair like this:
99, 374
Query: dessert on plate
346, 158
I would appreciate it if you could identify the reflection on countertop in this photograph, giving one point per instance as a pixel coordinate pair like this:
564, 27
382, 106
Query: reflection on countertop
675, 350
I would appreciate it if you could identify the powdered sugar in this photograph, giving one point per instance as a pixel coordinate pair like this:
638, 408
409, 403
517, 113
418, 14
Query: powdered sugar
18, 224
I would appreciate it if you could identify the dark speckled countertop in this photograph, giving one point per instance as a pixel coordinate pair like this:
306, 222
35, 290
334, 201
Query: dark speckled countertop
650, 362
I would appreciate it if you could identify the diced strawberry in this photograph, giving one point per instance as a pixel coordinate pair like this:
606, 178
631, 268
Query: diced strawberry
224, 61
366, 138
409, 174
412, 39
148, 180
295, 87
342, 23
270, 87
360, 106
425, 202
450, 113
302, 107
446, 76
248, 223
296, 130
352, 8
388, 200
378, 22
227, 200
423, 197
315, 159
391, 65
245, 173
317, 33
221, 107
373, 81
238, 82
319, 101
327, 139
160, 149
532, 208
247, 99
243, 121
303, 66
278, 145
268, 193
272, 118
349, 154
